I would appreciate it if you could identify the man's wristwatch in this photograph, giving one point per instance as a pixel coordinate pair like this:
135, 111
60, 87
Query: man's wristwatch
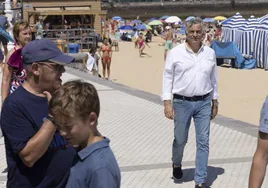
51, 118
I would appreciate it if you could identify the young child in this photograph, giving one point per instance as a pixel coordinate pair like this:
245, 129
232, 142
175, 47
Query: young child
75, 109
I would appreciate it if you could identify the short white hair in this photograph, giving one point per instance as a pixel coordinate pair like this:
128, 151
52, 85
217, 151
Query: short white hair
193, 21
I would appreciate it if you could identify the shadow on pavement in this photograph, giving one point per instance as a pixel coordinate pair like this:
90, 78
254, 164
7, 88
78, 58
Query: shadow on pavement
213, 173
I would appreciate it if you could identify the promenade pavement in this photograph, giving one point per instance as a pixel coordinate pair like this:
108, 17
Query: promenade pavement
141, 138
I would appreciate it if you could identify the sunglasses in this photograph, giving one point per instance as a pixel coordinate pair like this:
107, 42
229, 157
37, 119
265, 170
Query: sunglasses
53, 66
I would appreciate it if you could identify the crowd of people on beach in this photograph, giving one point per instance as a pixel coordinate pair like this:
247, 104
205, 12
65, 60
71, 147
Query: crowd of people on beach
44, 121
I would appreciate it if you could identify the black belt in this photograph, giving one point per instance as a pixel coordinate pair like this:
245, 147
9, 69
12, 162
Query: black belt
194, 98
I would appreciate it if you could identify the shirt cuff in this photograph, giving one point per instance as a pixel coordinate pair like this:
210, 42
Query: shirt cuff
167, 96
214, 96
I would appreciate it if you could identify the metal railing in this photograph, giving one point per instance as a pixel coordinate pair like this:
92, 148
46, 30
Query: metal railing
65, 38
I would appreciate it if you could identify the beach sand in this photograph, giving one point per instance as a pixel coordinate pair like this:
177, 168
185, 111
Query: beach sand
242, 92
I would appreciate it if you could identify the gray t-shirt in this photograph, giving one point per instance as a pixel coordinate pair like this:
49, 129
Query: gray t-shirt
3, 22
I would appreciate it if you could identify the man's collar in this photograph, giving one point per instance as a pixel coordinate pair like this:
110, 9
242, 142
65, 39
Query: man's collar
84, 153
187, 46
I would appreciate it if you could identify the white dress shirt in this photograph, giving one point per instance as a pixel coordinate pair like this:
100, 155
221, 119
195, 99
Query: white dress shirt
189, 74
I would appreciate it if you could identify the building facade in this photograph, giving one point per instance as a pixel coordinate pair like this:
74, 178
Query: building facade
59, 14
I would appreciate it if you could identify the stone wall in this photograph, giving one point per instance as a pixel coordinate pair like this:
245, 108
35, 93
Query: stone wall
182, 8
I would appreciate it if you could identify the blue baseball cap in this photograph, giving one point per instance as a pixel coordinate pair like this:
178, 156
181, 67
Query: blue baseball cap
44, 50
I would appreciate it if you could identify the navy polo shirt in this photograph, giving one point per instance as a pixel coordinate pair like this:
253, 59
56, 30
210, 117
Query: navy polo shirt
96, 168
22, 116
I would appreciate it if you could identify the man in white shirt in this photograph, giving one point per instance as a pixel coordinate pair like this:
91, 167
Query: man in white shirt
190, 79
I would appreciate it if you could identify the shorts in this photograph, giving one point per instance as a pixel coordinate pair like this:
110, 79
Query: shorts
168, 45
3, 40
264, 117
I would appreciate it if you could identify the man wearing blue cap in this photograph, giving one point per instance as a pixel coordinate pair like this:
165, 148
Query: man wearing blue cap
37, 156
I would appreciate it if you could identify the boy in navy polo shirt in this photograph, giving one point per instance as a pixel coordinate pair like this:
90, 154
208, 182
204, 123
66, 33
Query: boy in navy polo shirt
76, 109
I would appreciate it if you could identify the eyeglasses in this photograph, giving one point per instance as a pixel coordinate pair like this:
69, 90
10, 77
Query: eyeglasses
54, 66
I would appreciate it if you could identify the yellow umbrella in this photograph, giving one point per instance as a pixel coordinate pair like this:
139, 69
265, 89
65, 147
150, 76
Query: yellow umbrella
220, 18
148, 27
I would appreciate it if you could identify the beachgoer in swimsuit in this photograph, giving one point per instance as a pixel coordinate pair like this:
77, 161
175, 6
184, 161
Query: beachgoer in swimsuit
13, 73
168, 38
106, 57
141, 44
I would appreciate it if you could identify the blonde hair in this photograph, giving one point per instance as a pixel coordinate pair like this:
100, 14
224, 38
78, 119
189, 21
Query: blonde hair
75, 99
18, 27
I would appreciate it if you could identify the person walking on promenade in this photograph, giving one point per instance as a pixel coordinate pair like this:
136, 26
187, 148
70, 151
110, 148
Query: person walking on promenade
37, 156
260, 159
76, 108
13, 73
190, 78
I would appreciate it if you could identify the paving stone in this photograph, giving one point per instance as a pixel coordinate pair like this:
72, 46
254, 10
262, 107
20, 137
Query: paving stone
141, 138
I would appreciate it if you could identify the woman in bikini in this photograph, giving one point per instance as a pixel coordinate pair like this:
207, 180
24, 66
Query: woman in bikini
106, 56
13, 73
141, 44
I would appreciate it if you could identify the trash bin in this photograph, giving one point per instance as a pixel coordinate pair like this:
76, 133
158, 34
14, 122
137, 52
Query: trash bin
74, 48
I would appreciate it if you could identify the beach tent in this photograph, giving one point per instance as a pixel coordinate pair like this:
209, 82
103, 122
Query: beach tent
263, 18
246, 44
228, 50
260, 51
230, 30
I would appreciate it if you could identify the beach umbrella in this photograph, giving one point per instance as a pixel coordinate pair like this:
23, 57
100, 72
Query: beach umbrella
126, 27
209, 20
173, 19
117, 18
136, 22
155, 22
219, 18
225, 21
163, 17
148, 27
141, 27
189, 18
